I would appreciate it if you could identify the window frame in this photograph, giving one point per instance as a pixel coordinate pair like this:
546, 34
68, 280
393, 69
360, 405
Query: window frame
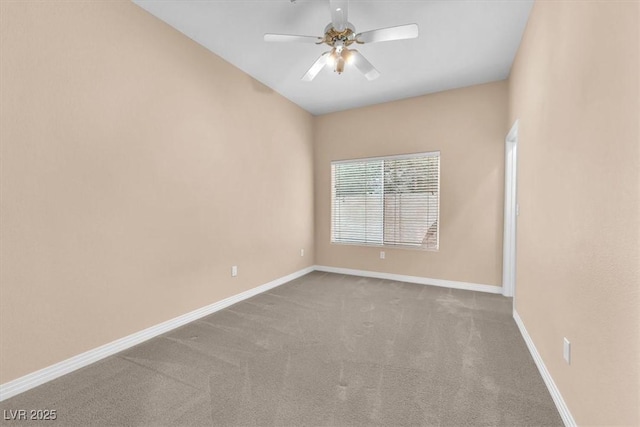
383, 158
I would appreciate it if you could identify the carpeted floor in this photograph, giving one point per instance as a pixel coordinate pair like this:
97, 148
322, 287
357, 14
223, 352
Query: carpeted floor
325, 349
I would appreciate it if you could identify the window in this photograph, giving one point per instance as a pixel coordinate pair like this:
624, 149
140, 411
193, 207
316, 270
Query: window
386, 201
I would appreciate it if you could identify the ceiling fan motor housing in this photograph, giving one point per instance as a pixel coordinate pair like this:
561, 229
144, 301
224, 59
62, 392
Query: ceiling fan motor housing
344, 38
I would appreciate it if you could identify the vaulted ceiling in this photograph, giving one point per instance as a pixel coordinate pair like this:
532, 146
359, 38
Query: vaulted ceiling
461, 43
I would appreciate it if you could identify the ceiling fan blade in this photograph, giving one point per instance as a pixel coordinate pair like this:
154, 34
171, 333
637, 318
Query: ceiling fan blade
339, 14
316, 68
291, 38
409, 31
361, 63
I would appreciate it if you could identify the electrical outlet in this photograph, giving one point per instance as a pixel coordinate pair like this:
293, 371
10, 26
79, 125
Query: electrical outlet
566, 351
382, 255
301, 252
234, 271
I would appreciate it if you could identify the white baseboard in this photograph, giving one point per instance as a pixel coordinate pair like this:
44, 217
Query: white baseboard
567, 418
52, 372
413, 279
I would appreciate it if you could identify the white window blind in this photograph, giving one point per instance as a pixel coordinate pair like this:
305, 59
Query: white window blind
386, 201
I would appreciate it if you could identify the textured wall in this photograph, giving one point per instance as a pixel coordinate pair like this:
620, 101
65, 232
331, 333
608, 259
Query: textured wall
468, 127
137, 167
574, 87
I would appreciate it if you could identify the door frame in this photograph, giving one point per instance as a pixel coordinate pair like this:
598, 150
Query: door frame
510, 212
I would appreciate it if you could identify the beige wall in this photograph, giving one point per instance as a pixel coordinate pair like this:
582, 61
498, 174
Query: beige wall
137, 167
574, 87
468, 127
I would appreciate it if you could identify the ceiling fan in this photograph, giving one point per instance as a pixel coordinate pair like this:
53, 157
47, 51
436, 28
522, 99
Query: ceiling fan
340, 34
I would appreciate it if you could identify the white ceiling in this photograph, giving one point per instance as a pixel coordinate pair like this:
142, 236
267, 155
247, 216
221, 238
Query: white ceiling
461, 43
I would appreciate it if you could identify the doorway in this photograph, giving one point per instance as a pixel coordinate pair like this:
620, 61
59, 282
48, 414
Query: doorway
510, 212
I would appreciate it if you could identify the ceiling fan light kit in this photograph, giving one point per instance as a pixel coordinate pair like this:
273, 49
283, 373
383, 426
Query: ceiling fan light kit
339, 34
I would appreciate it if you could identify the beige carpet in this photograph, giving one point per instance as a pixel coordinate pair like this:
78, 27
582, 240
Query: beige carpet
325, 349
